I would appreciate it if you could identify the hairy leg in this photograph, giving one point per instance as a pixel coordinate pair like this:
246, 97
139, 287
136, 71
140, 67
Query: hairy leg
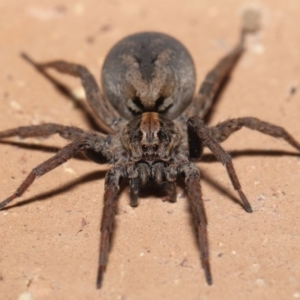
44, 130
198, 126
89, 142
217, 76
224, 129
194, 195
98, 103
62, 156
112, 188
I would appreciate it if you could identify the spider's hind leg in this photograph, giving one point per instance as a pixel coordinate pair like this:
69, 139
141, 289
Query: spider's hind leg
97, 102
215, 79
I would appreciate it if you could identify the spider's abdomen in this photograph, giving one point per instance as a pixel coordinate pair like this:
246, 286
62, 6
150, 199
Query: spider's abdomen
149, 72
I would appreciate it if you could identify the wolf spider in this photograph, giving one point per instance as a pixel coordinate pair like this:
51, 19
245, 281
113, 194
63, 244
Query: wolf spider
154, 127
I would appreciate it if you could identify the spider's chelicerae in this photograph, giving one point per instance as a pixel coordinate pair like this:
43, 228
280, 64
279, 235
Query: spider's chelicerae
154, 127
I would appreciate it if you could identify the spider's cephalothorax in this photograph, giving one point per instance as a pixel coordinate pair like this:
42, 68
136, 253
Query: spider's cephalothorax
151, 137
154, 128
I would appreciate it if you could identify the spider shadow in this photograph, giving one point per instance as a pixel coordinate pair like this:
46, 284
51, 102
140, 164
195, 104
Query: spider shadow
93, 176
210, 158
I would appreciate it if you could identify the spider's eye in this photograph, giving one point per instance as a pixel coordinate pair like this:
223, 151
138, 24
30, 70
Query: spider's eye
144, 148
159, 102
155, 147
162, 136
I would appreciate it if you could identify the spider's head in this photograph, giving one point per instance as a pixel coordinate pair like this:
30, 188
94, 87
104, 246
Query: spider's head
150, 137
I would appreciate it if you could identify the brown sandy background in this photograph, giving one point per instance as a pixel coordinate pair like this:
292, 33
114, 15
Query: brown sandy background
49, 243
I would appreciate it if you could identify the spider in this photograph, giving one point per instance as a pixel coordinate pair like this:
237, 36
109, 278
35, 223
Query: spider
154, 127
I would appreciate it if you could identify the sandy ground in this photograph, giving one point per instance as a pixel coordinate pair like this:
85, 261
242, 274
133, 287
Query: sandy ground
50, 240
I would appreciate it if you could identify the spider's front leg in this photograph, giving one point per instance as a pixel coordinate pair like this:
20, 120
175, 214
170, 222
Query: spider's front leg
85, 143
194, 195
112, 187
196, 125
